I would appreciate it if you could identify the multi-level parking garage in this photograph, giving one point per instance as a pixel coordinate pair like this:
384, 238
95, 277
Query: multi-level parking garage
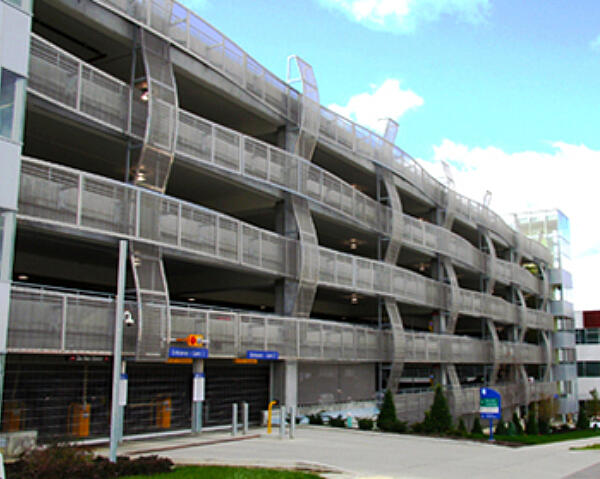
255, 217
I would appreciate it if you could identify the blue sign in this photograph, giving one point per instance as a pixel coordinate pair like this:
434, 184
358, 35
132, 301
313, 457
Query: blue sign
490, 405
269, 355
194, 353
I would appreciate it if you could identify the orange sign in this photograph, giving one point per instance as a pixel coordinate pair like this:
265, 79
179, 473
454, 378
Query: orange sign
245, 361
180, 361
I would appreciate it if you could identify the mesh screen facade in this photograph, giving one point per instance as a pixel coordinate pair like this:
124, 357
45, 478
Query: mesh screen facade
256, 218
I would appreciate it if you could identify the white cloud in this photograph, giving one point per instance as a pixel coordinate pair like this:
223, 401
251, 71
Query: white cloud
595, 44
566, 178
402, 16
385, 101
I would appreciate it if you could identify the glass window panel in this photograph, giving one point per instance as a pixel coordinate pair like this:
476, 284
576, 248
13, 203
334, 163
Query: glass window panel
11, 105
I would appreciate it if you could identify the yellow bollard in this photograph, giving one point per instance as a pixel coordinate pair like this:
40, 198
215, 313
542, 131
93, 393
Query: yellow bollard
270, 416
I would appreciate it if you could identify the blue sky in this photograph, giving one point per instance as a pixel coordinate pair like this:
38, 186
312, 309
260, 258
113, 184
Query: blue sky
506, 91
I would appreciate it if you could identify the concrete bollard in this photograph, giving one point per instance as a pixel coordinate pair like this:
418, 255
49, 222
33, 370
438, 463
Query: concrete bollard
245, 417
282, 422
292, 410
234, 419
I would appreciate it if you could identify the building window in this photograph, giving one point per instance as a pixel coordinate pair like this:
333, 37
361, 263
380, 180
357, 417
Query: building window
588, 336
7, 225
588, 369
12, 96
566, 355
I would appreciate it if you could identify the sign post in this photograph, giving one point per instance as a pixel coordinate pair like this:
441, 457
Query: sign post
490, 407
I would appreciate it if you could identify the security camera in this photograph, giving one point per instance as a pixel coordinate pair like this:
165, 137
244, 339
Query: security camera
128, 319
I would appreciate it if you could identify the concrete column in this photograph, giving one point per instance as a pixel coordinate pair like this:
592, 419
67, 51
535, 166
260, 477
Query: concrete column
291, 384
286, 289
285, 383
197, 369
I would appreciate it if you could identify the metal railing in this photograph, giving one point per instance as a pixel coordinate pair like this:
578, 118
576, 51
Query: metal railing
74, 322
189, 31
62, 78
63, 196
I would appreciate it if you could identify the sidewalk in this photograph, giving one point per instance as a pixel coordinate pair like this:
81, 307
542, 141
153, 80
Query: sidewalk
348, 454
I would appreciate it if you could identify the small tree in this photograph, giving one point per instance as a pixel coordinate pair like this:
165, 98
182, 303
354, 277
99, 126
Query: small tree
517, 422
476, 429
531, 426
583, 421
387, 418
593, 405
439, 418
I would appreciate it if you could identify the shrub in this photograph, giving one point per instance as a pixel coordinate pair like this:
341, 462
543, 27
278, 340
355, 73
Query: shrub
543, 426
365, 423
62, 461
315, 419
387, 416
476, 429
517, 422
416, 427
401, 427
462, 428
511, 430
593, 406
439, 418
501, 428
531, 426
337, 421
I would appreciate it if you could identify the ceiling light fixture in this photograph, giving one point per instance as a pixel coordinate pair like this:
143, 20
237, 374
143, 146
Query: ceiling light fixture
354, 298
22, 277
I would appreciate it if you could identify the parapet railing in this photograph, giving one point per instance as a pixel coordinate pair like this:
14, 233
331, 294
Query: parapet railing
74, 322
62, 195
190, 32
59, 195
62, 78
412, 406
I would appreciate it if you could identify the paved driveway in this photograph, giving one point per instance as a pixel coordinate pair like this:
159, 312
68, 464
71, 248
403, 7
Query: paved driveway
364, 454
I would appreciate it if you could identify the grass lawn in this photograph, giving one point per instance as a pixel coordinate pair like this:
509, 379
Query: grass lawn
547, 438
589, 447
223, 472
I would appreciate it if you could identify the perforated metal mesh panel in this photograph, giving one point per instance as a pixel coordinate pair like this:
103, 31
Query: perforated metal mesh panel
395, 319
309, 258
397, 217
154, 163
154, 317
310, 117
57, 194
320, 383
453, 296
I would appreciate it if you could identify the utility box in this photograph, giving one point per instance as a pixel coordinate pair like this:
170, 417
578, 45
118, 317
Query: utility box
13, 416
163, 413
79, 419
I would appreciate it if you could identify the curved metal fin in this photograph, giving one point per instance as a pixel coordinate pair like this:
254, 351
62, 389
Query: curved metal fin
154, 316
308, 270
393, 313
160, 92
